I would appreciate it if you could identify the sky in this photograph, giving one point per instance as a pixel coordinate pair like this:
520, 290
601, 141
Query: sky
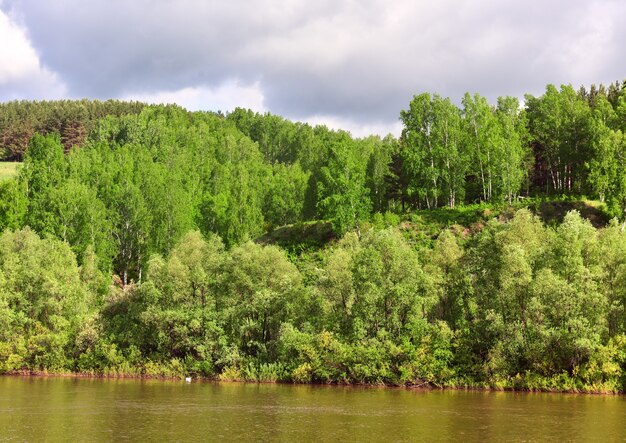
347, 64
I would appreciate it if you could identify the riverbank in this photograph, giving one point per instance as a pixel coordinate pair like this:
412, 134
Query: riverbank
426, 386
516, 305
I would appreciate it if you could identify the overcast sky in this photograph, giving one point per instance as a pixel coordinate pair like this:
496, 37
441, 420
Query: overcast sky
350, 64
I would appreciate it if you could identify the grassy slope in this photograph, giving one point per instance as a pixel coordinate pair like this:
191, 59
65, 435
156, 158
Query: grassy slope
8, 170
424, 226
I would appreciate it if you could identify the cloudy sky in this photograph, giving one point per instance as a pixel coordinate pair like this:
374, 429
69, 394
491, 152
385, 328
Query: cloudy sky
350, 64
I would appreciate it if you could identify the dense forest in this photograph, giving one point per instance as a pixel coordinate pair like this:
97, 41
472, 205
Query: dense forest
70, 119
149, 240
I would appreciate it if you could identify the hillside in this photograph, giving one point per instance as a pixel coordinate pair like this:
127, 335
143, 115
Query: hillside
482, 248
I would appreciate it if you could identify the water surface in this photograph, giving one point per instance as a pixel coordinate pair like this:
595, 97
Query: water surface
66, 409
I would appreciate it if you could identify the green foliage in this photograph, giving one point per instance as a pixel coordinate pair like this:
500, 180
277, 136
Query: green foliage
512, 147
377, 174
13, 204
560, 125
434, 158
606, 167
284, 197
43, 302
342, 195
70, 119
135, 254
449, 152
260, 289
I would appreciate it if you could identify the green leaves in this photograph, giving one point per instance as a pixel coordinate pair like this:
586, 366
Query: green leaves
449, 153
559, 123
168, 203
42, 302
343, 197
433, 152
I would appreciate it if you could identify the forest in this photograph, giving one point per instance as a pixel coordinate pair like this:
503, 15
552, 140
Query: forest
484, 247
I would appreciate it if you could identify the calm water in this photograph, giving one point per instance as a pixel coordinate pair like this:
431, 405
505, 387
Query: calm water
56, 409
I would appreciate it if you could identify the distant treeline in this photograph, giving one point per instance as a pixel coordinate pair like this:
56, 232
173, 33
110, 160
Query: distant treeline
71, 119
563, 142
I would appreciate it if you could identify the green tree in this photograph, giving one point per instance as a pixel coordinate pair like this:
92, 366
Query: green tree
13, 204
42, 302
607, 176
559, 123
180, 300
284, 197
420, 153
480, 127
260, 288
378, 170
512, 147
81, 220
374, 284
232, 197
342, 195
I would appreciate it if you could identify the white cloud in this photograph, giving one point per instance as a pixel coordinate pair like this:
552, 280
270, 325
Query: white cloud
21, 73
225, 97
232, 94
348, 62
355, 128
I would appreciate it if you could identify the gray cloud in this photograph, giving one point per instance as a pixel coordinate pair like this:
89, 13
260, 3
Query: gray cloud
358, 60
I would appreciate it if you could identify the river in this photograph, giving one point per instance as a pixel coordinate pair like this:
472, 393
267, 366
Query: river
68, 409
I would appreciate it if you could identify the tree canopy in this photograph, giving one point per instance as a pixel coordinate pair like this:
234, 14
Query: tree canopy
149, 240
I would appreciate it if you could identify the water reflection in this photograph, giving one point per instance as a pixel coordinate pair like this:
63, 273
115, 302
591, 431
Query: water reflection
59, 409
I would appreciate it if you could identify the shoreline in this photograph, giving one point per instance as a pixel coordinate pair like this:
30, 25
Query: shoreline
415, 387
